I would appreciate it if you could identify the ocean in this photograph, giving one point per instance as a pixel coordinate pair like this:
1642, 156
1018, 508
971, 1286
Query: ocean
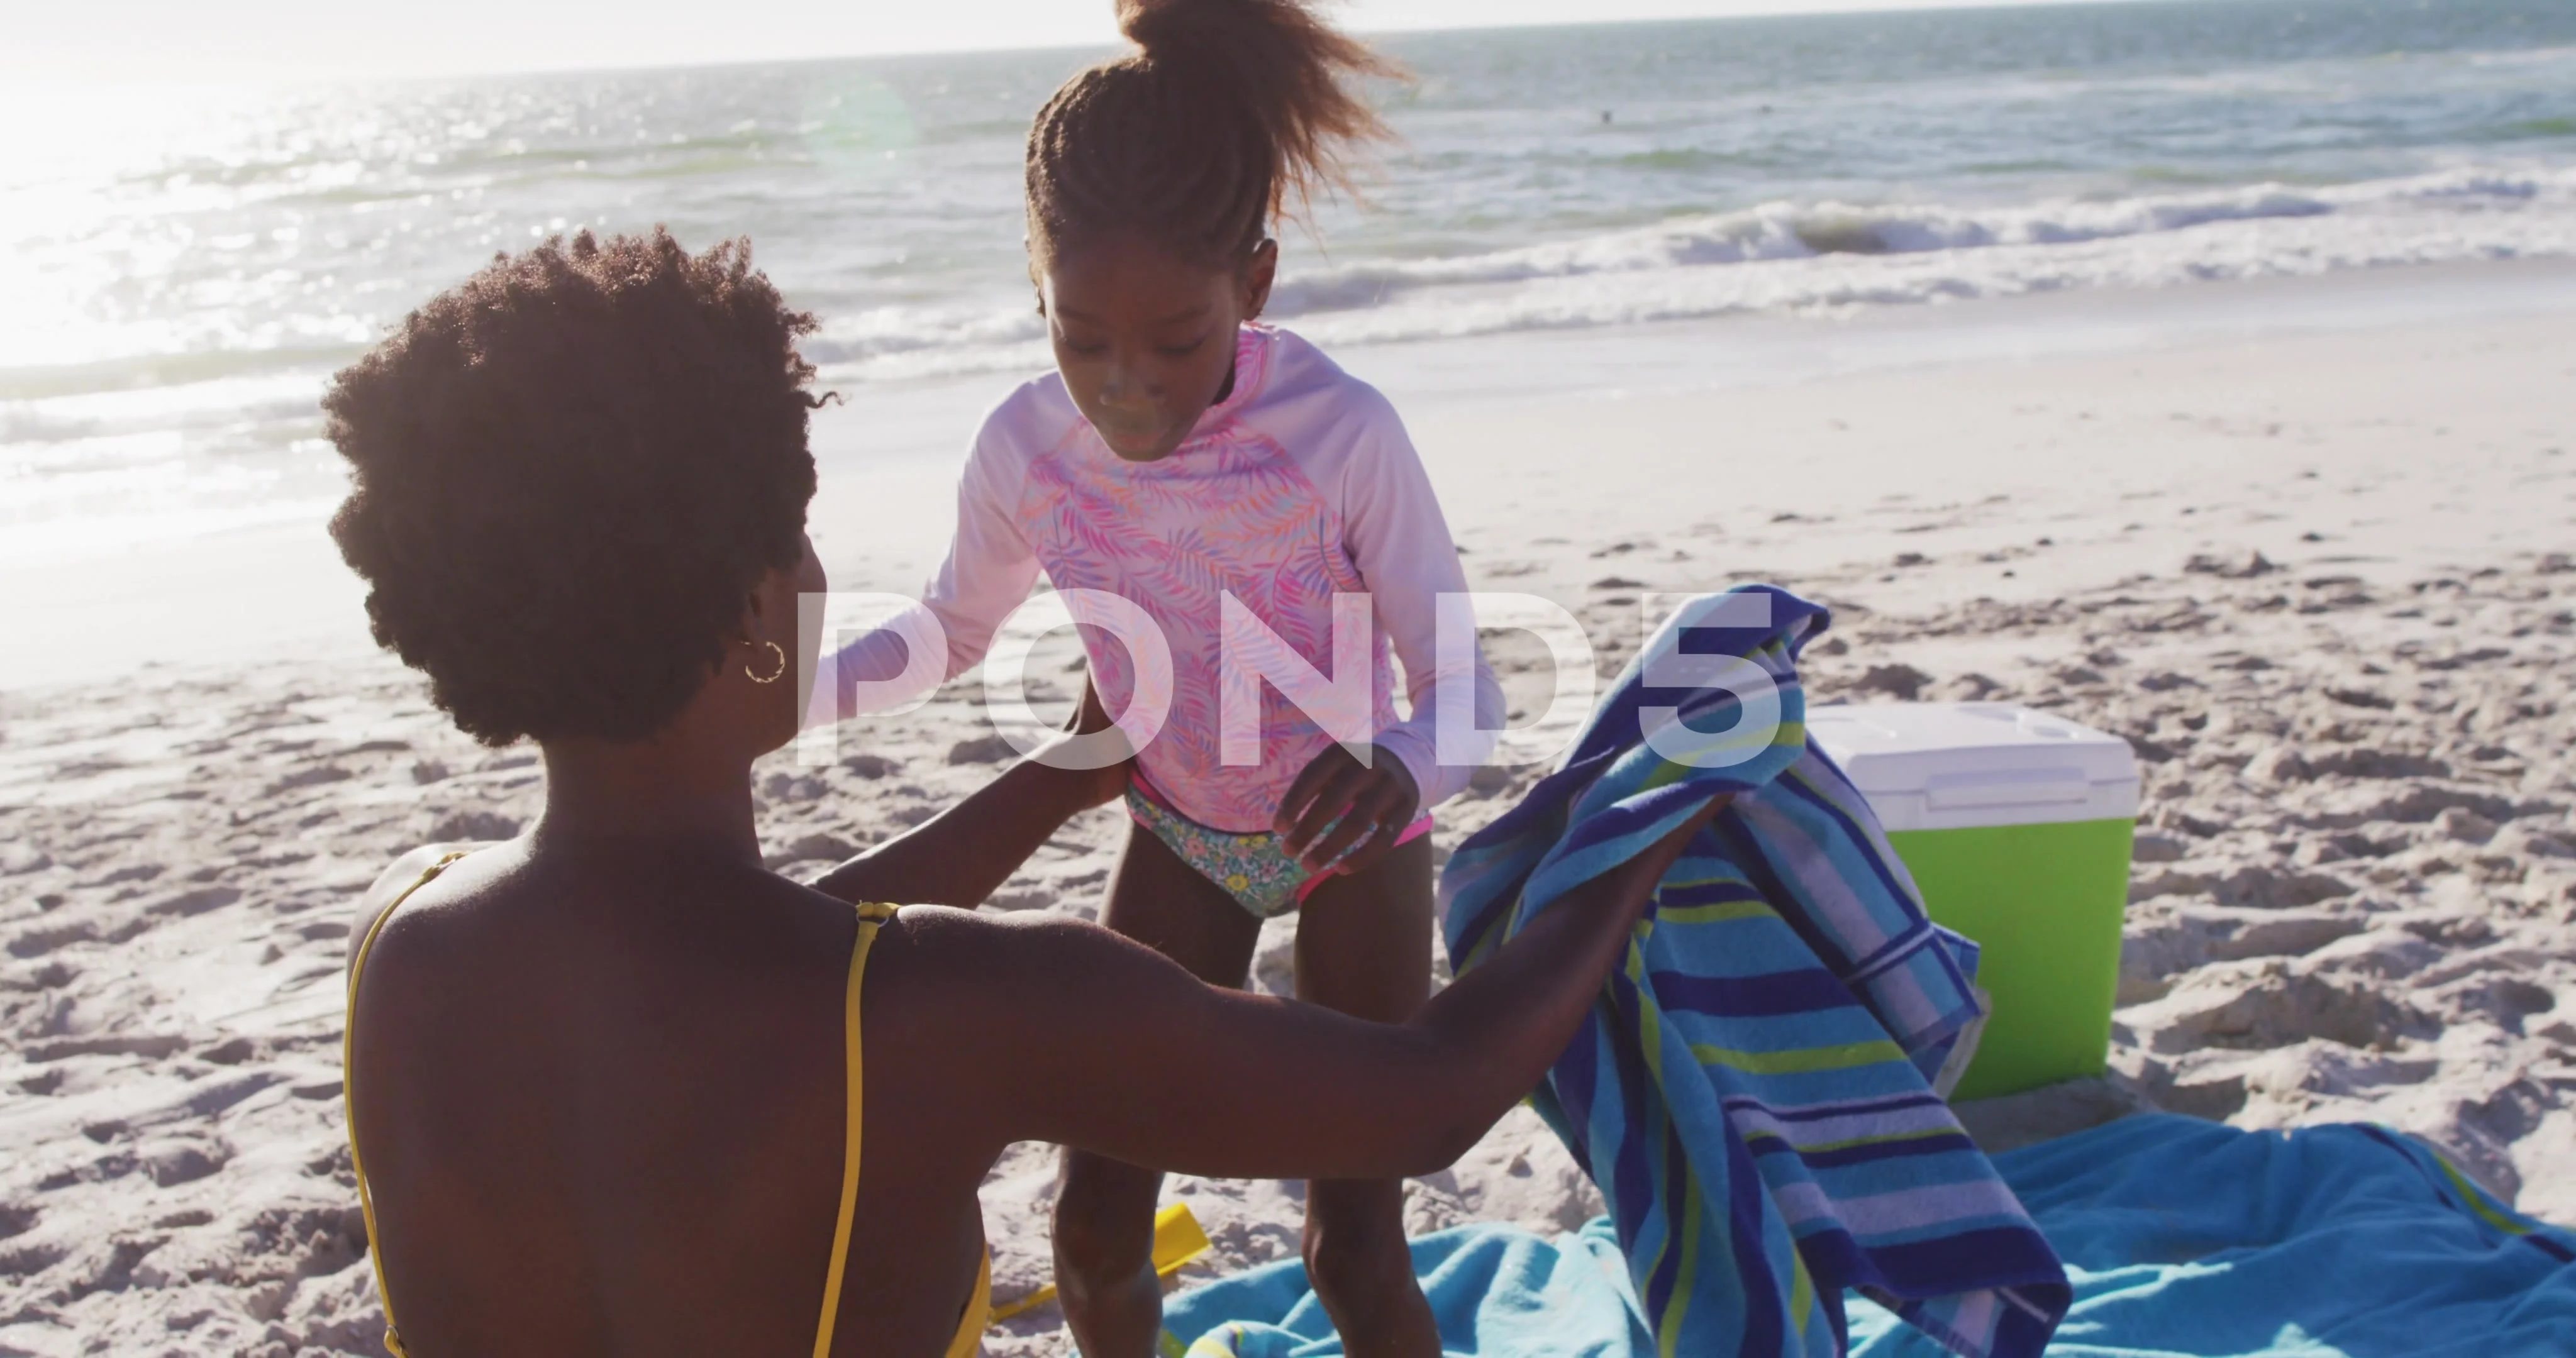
181, 271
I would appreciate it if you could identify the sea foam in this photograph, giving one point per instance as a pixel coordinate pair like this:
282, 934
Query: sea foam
1805, 258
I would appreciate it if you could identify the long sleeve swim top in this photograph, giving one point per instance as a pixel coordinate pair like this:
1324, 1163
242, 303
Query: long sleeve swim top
1299, 486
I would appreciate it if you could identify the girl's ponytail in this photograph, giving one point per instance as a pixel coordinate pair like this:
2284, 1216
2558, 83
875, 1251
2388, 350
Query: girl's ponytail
1231, 114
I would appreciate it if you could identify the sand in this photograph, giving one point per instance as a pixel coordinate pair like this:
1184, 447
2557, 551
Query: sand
2319, 580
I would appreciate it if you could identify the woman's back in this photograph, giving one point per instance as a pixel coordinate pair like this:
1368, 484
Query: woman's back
601, 1076
620, 1120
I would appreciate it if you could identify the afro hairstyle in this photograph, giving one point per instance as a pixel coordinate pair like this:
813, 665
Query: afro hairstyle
568, 474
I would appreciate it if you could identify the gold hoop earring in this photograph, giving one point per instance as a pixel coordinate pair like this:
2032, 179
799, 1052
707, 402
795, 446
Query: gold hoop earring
774, 675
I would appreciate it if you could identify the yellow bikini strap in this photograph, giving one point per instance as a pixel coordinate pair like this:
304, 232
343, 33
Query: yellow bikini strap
349, 1094
871, 915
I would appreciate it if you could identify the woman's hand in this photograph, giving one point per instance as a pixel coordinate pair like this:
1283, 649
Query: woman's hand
966, 852
1093, 787
1092, 1024
1372, 803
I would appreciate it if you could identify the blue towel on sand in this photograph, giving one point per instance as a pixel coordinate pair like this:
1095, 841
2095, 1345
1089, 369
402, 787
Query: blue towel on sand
1755, 1091
1496, 1291
2186, 1239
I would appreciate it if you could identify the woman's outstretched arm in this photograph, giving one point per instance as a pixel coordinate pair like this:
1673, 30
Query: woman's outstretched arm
966, 852
1117, 1050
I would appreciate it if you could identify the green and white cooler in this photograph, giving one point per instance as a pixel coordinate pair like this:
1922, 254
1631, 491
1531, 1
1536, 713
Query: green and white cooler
2016, 825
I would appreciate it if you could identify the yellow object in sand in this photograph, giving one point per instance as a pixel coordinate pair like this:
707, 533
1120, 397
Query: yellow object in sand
1178, 1239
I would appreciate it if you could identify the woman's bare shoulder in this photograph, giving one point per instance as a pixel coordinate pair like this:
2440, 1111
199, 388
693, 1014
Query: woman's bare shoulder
396, 882
987, 949
981, 970
1025, 980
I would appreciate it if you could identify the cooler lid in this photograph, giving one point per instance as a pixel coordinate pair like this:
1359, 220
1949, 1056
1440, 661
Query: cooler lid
1989, 763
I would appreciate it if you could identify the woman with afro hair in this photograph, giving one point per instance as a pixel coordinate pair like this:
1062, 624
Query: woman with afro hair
608, 1085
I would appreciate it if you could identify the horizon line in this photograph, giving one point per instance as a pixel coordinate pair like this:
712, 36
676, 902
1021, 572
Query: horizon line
36, 79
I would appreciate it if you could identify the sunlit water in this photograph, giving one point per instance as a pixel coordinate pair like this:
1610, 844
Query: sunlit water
180, 271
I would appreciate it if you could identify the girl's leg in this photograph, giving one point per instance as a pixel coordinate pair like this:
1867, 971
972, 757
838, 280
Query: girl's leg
1104, 1215
1364, 948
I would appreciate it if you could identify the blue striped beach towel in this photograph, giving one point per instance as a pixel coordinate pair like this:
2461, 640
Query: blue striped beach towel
2182, 1238
1758, 1091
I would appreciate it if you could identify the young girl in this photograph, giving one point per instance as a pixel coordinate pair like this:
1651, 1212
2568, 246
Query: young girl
1180, 454
613, 1088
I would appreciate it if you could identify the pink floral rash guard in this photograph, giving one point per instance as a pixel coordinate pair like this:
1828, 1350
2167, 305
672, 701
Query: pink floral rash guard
1300, 485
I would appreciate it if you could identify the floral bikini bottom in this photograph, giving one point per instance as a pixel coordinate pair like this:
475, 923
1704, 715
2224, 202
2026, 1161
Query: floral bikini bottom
1261, 877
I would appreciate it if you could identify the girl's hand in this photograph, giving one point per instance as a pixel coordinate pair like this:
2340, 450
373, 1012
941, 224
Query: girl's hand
1372, 802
